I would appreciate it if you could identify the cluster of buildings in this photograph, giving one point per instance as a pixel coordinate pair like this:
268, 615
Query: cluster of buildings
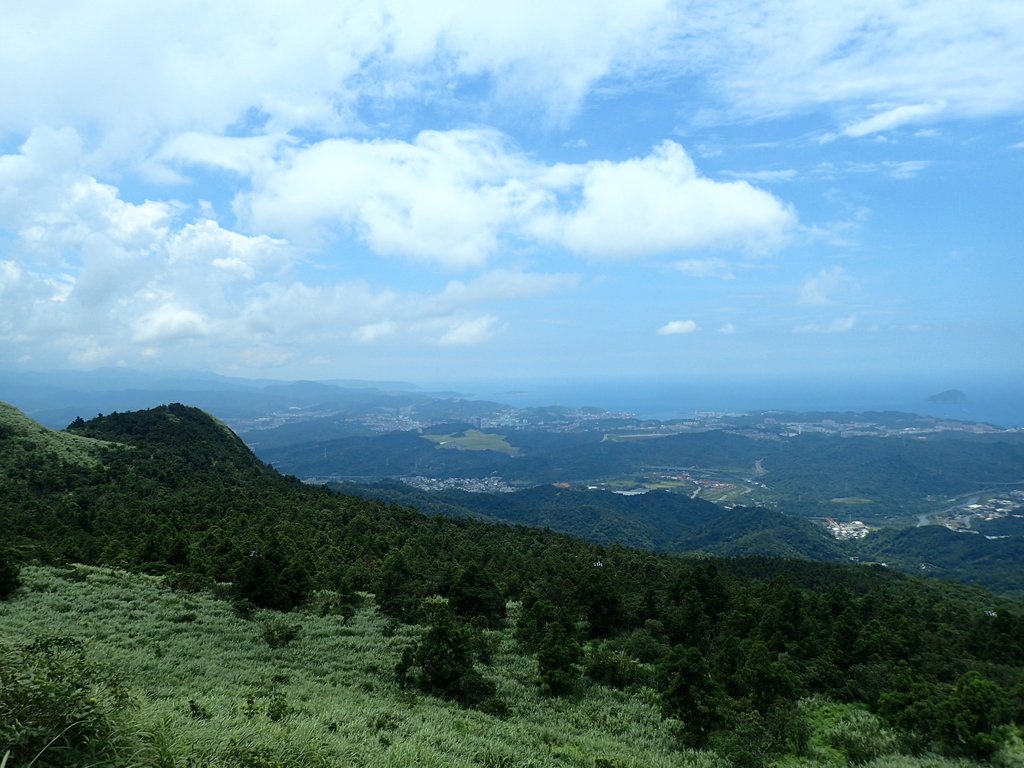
854, 529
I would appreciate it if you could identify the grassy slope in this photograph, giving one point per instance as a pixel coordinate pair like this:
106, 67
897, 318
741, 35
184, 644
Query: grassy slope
20, 433
208, 690
332, 682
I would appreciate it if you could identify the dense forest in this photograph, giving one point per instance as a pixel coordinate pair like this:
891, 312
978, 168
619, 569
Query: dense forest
674, 523
730, 647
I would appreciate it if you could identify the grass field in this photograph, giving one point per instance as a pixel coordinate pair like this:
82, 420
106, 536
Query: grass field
195, 684
207, 689
474, 440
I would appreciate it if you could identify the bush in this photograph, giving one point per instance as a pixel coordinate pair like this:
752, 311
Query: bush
56, 707
278, 633
861, 737
608, 667
10, 576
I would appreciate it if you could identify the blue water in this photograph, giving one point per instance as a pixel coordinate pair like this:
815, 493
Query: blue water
999, 402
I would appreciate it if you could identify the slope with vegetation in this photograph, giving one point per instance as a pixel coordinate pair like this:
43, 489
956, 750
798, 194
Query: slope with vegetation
579, 654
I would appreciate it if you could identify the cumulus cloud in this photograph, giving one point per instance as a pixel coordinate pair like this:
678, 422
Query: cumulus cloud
454, 198
841, 325
822, 288
445, 197
91, 278
676, 327
307, 123
659, 203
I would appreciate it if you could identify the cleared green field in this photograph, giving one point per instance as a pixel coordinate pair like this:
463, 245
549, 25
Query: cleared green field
474, 440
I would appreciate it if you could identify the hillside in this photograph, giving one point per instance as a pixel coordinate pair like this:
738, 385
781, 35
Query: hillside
21, 438
660, 521
492, 624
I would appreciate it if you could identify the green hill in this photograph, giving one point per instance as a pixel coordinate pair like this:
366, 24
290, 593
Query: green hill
660, 521
468, 643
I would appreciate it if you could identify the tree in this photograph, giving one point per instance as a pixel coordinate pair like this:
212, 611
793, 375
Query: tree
557, 657
972, 717
475, 594
441, 662
267, 581
690, 693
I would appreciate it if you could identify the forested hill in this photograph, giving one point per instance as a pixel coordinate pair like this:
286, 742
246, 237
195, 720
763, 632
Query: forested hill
726, 646
670, 523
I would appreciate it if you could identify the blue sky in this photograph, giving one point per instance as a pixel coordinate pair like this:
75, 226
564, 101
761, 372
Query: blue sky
463, 190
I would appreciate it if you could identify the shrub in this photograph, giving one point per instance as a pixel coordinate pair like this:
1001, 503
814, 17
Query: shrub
56, 707
278, 633
861, 737
10, 576
608, 667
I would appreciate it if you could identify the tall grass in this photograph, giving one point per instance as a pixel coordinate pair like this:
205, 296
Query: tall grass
312, 688
207, 687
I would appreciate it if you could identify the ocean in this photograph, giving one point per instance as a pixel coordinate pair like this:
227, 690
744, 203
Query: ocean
994, 401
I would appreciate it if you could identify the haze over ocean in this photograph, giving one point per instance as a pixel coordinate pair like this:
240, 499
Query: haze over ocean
993, 400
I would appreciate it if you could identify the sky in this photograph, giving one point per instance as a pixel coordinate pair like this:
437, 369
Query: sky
389, 189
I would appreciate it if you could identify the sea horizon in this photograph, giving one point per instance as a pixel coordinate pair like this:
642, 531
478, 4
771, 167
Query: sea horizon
993, 401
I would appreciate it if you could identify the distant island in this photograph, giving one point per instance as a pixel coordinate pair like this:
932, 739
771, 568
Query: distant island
949, 397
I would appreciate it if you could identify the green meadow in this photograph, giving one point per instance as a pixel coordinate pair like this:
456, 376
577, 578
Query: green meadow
474, 440
182, 679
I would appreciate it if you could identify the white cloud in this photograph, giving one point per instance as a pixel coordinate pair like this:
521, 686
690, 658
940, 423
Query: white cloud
894, 118
763, 177
136, 73
245, 155
169, 323
821, 288
842, 325
375, 331
676, 327
454, 198
502, 284
93, 278
138, 78
445, 198
896, 169
777, 58
714, 267
659, 203
906, 169
727, 329
469, 332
